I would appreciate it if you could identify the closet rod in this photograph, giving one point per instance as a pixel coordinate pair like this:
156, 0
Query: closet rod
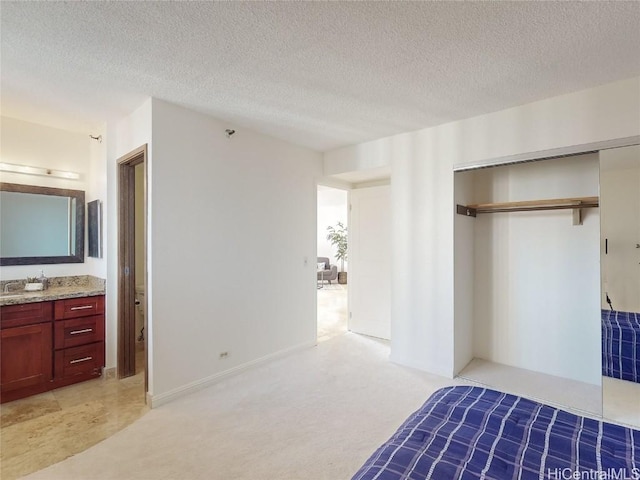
529, 205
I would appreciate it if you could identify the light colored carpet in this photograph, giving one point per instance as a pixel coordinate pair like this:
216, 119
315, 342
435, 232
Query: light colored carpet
621, 401
581, 398
316, 414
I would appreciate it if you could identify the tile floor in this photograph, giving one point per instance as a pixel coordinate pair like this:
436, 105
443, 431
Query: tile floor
41, 430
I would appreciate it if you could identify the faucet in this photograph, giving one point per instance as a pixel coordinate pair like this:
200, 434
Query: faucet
7, 285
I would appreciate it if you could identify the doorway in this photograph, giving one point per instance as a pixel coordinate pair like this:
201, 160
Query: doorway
132, 281
332, 304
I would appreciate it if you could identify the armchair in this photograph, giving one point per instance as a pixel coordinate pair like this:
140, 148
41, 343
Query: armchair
329, 272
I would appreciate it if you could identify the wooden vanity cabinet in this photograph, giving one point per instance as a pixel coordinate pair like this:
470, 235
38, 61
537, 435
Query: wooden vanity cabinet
25, 349
78, 339
46, 345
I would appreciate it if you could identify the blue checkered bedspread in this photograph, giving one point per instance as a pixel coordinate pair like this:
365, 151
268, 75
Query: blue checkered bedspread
467, 432
621, 345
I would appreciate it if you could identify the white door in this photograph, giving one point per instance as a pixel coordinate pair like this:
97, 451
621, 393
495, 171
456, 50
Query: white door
370, 262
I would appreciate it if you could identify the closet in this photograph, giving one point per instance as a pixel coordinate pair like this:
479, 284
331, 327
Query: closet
528, 279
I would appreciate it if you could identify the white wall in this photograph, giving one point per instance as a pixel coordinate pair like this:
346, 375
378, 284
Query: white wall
422, 259
537, 276
233, 222
620, 209
464, 269
528, 131
370, 252
123, 137
371, 156
97, 190
332, 208
422, 198
31, 144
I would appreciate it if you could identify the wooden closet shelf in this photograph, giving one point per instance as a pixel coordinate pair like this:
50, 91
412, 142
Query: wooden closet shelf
529, 205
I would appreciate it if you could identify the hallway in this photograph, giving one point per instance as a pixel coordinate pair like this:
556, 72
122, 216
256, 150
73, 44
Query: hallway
332, 311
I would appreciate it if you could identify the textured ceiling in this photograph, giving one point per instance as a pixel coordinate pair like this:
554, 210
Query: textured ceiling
319, 74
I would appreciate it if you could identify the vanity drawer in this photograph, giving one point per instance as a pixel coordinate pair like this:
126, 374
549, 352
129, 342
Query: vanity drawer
79, 307
78, 331
77, 360
25, 314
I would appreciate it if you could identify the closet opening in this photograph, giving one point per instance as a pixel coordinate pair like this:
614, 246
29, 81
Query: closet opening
527, 276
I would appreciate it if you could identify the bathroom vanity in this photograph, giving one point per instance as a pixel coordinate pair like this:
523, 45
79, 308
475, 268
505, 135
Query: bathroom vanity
51, 338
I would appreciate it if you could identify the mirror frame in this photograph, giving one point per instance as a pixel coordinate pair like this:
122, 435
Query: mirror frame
75, 257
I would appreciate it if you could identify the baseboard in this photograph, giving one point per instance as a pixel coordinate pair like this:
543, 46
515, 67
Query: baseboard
162, 398
432, 369
108, 373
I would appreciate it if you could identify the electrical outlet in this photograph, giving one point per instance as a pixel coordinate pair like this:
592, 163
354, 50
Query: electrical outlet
224, 354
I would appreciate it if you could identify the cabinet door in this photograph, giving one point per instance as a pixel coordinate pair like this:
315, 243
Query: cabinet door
26, 357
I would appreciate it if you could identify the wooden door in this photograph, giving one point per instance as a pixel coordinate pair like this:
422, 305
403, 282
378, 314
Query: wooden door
126, 262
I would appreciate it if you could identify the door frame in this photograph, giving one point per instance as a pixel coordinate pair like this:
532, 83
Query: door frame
126, 260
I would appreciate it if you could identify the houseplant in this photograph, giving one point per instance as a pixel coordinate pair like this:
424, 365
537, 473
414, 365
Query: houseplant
337, 236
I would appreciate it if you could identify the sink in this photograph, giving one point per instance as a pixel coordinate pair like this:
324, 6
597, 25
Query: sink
10, 295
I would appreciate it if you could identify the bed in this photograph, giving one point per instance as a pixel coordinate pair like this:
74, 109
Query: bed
466, 432
621, 345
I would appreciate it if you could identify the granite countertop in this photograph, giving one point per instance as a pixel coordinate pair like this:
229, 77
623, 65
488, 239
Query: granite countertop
59, 288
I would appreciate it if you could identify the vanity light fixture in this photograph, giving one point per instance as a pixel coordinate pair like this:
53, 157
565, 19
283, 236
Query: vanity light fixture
46, 172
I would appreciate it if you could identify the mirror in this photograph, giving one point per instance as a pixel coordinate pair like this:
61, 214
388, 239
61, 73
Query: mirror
40, 225
620, 271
